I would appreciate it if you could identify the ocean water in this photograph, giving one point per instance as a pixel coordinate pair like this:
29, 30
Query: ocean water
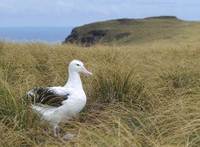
34, 34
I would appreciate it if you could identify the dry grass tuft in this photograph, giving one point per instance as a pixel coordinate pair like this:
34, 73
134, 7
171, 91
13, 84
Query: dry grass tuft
140, 95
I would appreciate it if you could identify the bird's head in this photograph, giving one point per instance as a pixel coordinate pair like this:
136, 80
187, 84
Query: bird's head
78, 66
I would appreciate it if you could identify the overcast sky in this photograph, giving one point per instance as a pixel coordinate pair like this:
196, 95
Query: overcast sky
78, 12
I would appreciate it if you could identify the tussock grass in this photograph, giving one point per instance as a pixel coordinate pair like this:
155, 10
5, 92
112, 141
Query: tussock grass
140, 95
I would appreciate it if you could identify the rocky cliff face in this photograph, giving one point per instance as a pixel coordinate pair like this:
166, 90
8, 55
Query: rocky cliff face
89, 38
120, 30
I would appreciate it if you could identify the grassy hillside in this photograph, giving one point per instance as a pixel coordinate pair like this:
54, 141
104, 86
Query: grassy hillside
143, 95
133, 31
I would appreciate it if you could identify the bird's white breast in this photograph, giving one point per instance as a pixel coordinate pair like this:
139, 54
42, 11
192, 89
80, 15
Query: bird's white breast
70, 108
75, 103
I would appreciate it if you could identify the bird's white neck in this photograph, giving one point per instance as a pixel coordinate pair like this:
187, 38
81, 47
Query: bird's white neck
74, 80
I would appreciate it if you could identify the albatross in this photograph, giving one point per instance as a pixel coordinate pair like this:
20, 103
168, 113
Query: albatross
59, 104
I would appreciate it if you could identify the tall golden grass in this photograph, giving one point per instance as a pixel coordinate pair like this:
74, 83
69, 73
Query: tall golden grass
145, 95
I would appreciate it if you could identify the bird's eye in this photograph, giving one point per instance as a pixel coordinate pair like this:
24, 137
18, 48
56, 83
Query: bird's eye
77, 64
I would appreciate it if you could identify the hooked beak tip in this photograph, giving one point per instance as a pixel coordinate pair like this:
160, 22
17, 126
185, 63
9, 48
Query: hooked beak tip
86, 72
90, 74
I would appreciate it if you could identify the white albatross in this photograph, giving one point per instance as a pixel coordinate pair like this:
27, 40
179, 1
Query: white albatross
58, 104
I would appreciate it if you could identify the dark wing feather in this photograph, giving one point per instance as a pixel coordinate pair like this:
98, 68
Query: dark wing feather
46, 97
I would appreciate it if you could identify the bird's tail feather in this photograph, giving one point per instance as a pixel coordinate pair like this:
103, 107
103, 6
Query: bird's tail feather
38, 109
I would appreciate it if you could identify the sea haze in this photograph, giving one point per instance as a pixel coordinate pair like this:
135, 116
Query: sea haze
41, 34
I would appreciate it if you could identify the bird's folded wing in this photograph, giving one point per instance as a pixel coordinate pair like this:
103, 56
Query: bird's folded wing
46, 96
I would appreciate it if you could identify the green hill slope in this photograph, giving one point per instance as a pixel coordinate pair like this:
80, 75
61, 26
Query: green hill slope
127, 31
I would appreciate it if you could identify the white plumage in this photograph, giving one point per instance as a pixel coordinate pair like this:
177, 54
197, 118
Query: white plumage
58, 104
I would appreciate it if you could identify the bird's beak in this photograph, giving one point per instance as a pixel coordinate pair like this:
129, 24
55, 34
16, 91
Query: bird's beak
86, 72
